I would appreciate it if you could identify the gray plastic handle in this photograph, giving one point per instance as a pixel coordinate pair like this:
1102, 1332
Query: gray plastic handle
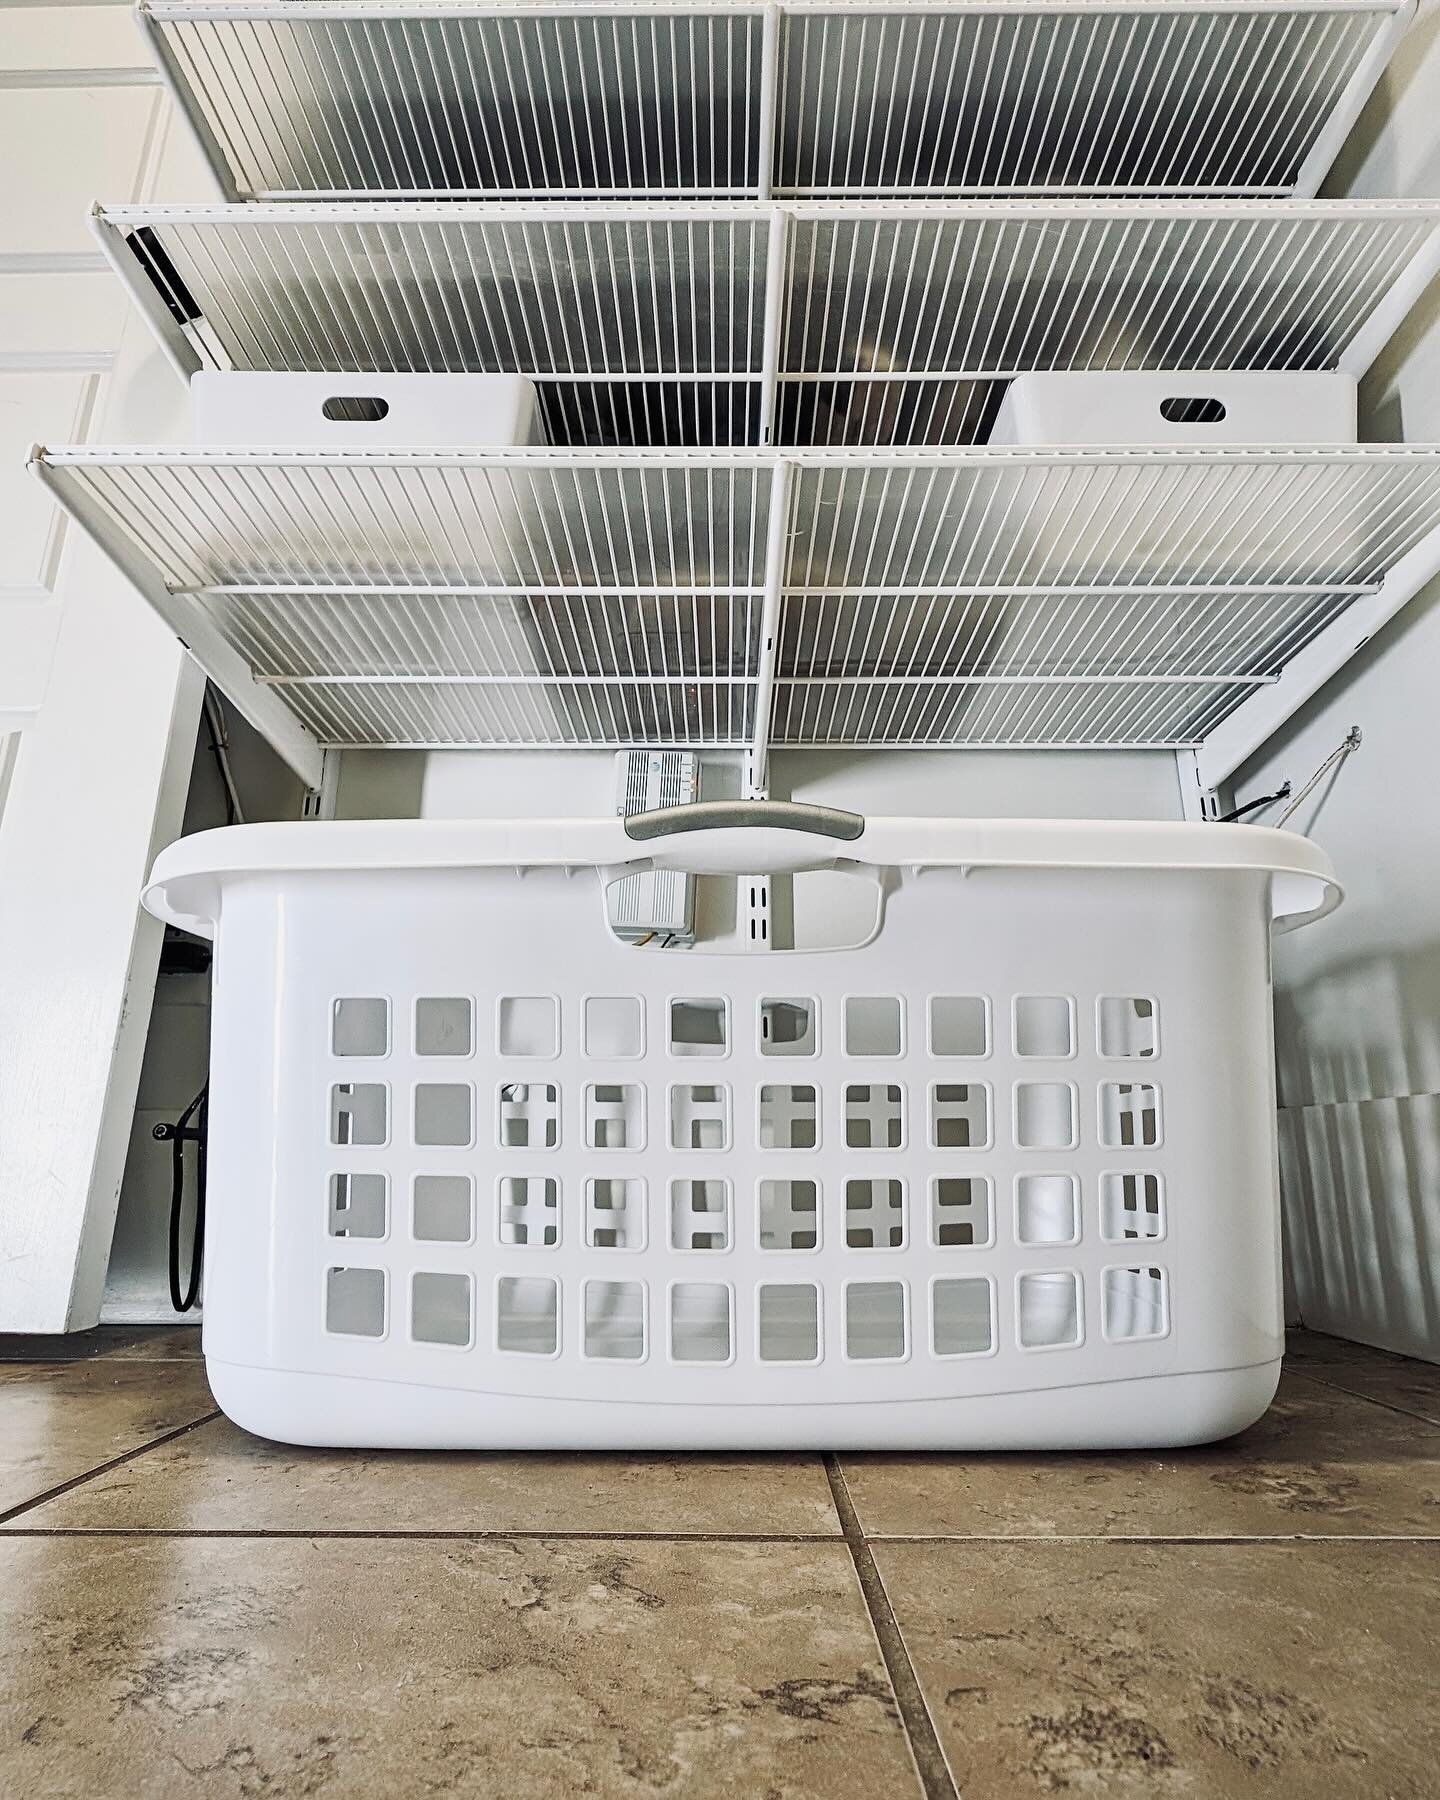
745, 815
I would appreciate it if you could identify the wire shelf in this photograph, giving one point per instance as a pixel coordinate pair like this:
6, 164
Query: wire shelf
1026, 597
536, 98
834, 323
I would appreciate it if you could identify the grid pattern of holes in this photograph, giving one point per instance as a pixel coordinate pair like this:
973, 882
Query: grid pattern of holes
880, 1319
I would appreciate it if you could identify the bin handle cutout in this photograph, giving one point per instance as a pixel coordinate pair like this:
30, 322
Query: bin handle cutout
1193, 409
355, 409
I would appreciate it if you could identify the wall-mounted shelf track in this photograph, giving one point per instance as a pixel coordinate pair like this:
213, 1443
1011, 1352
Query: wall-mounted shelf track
650, 98
982, 597
741, 323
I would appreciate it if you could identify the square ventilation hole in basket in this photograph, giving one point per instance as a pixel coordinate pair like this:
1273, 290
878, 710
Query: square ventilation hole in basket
528, 1025
699, 1027
1044, 1025
615, 1212
529, 1115
1045, 1115
788, 1321
1047, 1209
615, 1116
960, 1211
527, 1315
1135, 1304
444, 1027
787, 1028
962, 1316
875, 1321
874, 1213
442, 1209
699, 1117
360, 1027
615, 1320
355, 1302
960, 1115
789, 1215
1128, 1025
700, 1321
614, 1026
1131, 1206
445, 1114
359, 1112
700, 1214
789, 1117
959, 1025
874, 1025
874, 1116
1048, 1310
1129, 1115
440, 1309
358, 1206
530, 1210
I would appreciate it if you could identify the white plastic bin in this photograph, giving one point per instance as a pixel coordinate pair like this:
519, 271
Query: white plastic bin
1208, 407
363, 411
482, 1175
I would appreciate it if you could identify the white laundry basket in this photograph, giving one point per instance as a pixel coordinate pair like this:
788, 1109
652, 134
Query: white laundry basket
1002, 1176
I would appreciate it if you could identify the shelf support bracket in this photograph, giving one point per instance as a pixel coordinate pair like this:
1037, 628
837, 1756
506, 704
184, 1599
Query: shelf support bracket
183, 96
225, 666
1351, 103
182, 355
1256, 720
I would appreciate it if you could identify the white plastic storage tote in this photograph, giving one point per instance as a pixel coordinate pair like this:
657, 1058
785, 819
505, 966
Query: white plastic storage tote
1003, 1175
1178, 407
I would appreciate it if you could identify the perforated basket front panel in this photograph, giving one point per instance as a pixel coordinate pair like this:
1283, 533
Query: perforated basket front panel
1022, 1139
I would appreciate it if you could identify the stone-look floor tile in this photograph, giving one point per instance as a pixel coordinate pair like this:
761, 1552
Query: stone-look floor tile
1320, 1463
162, 1342
58, 1420
1374, 1374
517, 1669
219, 1478
1213, 1672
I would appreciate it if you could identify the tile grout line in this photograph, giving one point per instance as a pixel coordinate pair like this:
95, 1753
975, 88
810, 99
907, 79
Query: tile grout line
935, 1777
502, 1534
115, 1462
497, 1534
1339, 1387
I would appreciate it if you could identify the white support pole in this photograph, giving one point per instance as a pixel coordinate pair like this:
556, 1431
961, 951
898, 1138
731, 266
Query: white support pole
184, 358
1236, 739
767, 142
1198, 804
776, 255
777, 544
261, 705
1351, 104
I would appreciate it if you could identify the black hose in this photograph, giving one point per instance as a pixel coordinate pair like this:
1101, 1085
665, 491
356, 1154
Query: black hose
179, 1135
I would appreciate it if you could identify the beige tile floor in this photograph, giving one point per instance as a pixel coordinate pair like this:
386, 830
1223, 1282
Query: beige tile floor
185, 1609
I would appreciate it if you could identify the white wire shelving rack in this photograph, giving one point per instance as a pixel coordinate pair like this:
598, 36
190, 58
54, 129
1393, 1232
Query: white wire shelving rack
746, 323
534, 99
984, 597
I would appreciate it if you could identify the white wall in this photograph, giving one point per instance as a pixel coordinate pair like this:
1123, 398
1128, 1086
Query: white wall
105, 699
979, 783
1358, 1011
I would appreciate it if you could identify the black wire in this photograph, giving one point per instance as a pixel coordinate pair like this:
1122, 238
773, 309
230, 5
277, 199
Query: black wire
199, 1110
1250, 806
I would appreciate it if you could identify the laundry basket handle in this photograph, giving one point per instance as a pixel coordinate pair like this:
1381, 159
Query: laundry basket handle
743, 837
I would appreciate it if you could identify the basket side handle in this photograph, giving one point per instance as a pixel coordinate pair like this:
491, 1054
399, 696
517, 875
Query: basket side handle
744, 837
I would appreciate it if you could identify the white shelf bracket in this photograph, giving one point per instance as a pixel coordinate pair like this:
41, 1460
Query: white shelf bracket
1351, 104
224, 665
1365, 347
183, 95
184, 358
1253, 723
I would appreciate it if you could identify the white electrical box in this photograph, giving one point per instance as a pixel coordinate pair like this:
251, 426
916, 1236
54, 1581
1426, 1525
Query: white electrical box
661, 902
